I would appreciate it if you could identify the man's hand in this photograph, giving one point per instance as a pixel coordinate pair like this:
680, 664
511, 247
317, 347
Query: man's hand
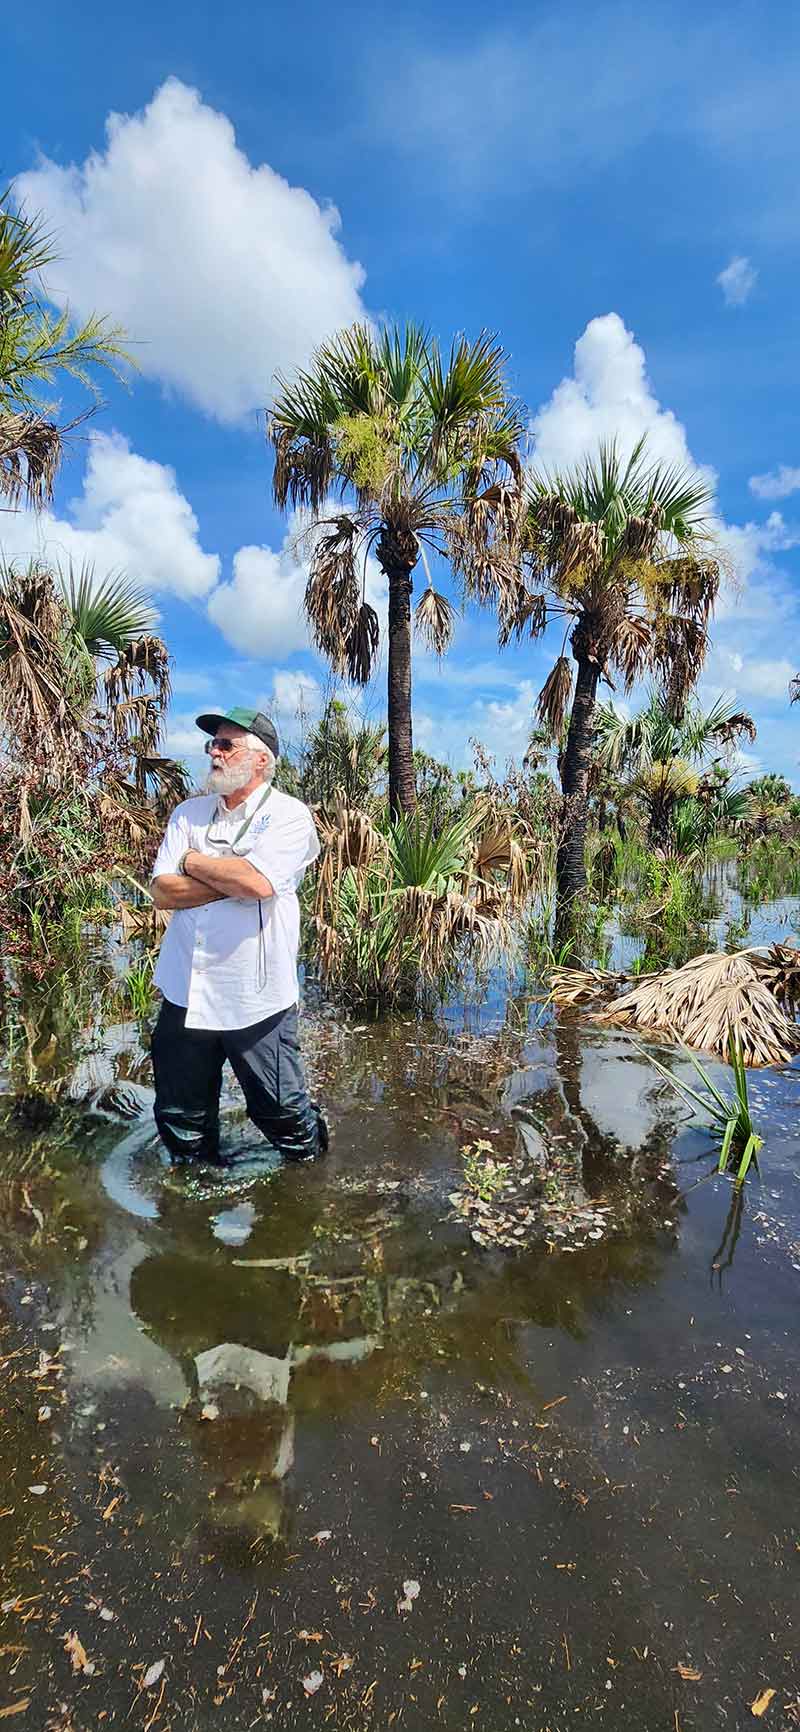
230, 876
172, 890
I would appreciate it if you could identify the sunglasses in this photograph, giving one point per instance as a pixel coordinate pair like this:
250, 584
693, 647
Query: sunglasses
218, 745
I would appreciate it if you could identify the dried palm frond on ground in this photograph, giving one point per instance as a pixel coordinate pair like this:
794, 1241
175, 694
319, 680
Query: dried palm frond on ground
707, 1003
583, 985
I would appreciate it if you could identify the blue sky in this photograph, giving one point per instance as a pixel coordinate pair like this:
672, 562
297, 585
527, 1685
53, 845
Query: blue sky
613, 189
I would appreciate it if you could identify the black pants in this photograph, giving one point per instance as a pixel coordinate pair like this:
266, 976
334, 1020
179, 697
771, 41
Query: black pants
266, 1058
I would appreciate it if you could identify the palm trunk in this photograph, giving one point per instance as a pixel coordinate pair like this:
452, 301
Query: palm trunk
571, 860
397, 556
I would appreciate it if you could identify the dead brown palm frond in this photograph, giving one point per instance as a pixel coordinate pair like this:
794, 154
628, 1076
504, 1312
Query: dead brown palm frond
141, 920
631, 650
731, 730
361, 646
678, 652
30, 453
122, 813
348, 835
640, 537
327, 946
706, 1002
780, 970
554, 697
304, 466
145, 659
692, 585
520, 610
583, 985
434, 618
564, 541
33, 686
333, 592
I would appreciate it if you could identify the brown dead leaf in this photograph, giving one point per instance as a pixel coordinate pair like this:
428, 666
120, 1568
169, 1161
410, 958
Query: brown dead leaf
344, 1663
77, 1653
761, 1703
690, 1673
110, 1508
309, 1635
15, 1707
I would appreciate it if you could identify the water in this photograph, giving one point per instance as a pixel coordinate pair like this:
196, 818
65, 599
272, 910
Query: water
299, 1423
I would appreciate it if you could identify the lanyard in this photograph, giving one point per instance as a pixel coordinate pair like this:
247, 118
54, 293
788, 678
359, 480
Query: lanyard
242, 831
261, 965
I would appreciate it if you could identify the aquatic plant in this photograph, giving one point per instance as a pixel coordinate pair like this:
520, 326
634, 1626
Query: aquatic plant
400, 906
138, 987
730, 1115
483, 1175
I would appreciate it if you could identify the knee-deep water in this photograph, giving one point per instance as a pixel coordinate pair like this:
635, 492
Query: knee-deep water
293, 1446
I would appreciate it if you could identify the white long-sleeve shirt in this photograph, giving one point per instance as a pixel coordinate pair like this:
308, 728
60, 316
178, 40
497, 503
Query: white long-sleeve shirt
226, 967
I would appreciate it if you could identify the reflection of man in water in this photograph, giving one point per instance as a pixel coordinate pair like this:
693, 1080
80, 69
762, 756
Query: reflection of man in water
229, 868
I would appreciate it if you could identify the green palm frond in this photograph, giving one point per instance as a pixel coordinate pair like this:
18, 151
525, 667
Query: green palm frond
107, 615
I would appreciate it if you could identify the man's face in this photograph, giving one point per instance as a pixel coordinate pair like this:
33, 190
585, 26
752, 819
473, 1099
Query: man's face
232, 763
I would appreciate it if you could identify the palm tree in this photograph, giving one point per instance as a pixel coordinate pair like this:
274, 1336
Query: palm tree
84, 686
390, 447
618, 549
667, 759
36, 346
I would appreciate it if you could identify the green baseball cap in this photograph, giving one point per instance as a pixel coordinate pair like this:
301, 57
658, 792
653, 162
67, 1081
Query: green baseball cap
253, 722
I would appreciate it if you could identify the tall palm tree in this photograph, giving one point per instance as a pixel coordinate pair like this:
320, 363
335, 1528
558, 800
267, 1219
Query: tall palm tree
667, 758
415, 451
619, 550
36, 346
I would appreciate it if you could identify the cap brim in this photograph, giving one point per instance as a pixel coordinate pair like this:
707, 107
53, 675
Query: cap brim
209, 724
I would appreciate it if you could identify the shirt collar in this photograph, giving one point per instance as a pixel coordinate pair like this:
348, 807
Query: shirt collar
245, 808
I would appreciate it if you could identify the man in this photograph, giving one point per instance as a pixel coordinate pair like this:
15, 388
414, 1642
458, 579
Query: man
228, 868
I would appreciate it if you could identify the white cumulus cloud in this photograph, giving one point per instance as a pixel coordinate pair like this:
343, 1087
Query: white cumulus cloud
260, 611
737, 281
219, 270
777, 484
130, 516
607, 396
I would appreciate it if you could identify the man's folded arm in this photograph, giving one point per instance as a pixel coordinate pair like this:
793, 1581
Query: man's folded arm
172, 890
231, 876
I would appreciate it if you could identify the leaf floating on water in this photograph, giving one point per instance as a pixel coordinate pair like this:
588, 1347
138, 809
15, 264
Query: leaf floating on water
321, 1538
153, 1674
37, 1490
210, 1411
761, 1703
411, 1590
312, 1683
690, 1673
77, 1653
309, 1636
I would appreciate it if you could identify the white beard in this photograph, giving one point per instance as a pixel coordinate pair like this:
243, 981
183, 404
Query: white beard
230, 777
